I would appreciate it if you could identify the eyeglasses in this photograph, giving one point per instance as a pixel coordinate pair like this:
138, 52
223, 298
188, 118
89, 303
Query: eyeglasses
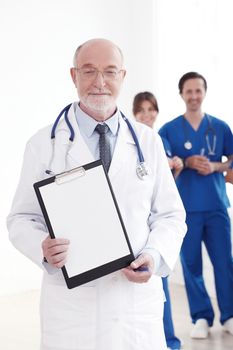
92, 73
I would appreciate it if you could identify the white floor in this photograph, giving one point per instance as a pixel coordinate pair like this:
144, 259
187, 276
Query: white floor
19, 323
217, 340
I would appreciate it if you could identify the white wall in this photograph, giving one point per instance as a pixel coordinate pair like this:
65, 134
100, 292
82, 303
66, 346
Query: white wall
38, 39
195, 35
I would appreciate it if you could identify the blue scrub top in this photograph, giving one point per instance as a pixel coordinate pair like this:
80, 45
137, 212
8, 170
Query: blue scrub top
199, 192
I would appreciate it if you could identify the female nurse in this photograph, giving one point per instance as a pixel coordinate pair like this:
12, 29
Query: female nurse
145, 110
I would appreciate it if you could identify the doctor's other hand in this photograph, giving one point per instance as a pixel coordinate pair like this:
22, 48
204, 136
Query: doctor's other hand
140, 270
55, 251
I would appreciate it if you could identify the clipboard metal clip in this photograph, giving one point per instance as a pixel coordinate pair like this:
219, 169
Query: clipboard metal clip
69, 175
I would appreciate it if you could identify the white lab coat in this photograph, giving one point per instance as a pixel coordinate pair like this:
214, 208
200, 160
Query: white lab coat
111, 312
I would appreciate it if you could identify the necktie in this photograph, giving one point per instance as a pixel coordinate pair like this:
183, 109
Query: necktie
104, 145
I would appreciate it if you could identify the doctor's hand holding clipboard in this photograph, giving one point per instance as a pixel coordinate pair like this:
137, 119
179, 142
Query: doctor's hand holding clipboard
140, 270
55, 252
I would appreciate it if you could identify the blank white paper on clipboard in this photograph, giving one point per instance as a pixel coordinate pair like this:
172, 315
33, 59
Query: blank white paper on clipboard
84, 210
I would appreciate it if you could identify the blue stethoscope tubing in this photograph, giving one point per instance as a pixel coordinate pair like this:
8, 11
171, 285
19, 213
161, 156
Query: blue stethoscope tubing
139, 151
210, 130
141, 169
65, 112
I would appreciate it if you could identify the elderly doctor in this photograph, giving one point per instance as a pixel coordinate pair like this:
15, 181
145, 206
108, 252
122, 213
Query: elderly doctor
123, 310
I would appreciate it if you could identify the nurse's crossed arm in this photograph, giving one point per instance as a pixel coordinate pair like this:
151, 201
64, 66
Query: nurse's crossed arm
204, 166
55, 251
199, 163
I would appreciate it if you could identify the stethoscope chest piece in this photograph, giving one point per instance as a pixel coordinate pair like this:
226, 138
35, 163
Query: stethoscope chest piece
188, 145
142, 171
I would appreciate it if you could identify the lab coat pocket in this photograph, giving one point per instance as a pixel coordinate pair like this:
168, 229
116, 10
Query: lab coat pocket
147, 296
68, 317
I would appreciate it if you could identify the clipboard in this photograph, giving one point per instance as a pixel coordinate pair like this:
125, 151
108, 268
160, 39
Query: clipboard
80, 205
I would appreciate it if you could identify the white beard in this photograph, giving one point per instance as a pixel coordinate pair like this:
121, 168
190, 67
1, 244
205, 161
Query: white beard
99, 104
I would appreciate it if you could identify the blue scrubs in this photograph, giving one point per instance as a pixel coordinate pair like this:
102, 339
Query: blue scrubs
206, 203
172, 341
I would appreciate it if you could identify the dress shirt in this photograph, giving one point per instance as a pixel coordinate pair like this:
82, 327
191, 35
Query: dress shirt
87, 127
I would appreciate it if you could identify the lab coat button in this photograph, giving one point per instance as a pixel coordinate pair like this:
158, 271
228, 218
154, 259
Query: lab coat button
115, 279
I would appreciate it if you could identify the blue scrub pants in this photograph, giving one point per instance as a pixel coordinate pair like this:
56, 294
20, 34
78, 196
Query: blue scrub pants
213, 228
172, 341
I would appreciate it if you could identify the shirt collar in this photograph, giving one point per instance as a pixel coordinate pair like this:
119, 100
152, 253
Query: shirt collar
87, 124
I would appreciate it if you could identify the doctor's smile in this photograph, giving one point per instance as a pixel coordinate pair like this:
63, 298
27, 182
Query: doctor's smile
99, 94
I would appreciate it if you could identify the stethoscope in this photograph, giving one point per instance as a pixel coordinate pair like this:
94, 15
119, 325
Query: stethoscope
210, 130
141, 168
